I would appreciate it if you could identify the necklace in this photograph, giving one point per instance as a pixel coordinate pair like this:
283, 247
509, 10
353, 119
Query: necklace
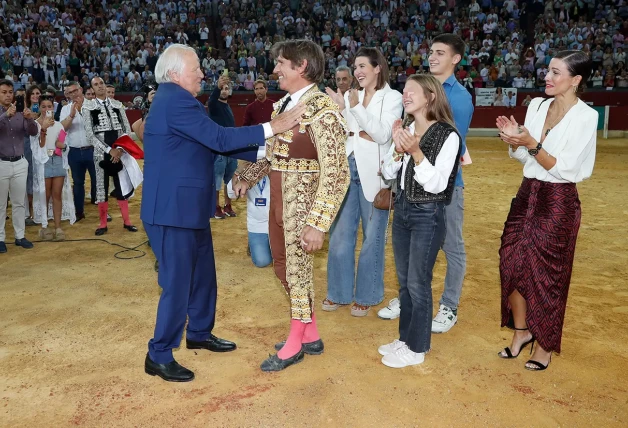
560, 117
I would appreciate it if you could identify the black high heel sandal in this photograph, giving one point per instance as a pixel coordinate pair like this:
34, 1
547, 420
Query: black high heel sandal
537, 367
509, 353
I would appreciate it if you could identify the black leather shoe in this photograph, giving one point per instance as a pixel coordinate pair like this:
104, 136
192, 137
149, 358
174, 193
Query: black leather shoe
24, 243
312, 348
79, 217
3, 247
101, 231
171, 372
213, 344
274, 364
130, 228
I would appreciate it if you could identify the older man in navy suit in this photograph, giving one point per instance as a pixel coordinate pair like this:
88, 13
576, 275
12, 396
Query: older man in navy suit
178, 200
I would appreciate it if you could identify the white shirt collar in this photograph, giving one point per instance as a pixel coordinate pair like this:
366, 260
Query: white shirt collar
294, 98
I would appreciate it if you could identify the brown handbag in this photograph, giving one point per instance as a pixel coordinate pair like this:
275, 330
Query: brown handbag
384, 198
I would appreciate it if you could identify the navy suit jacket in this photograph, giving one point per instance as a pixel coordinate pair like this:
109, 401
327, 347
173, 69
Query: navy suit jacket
180, 145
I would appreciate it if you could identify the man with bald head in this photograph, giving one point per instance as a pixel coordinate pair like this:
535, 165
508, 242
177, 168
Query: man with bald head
105, 121
344, 78
179, 197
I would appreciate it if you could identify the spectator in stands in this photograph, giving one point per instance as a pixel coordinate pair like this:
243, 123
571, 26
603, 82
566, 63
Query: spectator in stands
370, 113
14, 126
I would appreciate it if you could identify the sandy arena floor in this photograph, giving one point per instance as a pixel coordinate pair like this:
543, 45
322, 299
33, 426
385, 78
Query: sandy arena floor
75, 322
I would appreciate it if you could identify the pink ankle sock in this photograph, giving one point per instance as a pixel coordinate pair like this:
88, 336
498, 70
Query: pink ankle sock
124, 209
293, 344
311, 332
103, 207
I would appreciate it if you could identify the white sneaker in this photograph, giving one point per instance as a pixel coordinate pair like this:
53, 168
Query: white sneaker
391, 347
444, 320
403, 357
392, 311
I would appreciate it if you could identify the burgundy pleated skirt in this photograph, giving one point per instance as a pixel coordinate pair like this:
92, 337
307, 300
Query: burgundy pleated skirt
536, 256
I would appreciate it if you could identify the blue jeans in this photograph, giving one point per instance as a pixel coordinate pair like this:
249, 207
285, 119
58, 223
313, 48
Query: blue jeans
260, 249
418, 233
224, 168
453, 246
82, 161
343, 286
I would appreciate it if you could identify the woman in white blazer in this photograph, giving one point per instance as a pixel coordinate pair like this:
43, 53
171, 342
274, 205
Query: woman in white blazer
370, 113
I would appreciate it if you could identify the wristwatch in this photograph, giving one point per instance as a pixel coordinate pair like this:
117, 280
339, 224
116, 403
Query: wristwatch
535, 151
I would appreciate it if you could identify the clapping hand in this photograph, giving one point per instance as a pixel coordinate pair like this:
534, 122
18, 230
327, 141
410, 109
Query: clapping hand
354, 99
514, 134
406, 142
337, 97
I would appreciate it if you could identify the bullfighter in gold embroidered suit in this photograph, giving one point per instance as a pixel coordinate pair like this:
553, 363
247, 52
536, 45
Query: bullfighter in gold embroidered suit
309, 176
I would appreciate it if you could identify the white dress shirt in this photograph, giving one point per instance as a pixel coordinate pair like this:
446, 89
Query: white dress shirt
268, 130
433, 178
572, 142
76, 132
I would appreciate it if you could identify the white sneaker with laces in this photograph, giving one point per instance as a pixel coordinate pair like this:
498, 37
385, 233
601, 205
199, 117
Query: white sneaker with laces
391, 347
403, 357
444, 320
392, 311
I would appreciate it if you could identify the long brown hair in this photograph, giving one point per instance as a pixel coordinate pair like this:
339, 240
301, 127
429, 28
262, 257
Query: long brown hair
438, 109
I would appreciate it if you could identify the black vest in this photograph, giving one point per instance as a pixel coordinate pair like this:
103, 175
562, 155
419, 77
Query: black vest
431, 144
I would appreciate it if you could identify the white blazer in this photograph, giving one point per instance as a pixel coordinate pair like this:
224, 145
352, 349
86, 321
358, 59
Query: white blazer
376, 120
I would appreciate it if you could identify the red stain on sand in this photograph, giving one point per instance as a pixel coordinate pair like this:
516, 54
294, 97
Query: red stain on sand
523, 389
233, 400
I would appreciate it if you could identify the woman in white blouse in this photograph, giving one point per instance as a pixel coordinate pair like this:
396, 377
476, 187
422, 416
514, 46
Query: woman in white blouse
370, 113
424, 158
557, 148
51, 185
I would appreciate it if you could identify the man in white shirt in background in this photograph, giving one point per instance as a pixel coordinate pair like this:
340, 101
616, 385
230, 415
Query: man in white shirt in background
81, 155
510, 100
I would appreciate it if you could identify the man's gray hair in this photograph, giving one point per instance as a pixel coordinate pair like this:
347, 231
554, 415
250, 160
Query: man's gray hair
344, 68
171, 60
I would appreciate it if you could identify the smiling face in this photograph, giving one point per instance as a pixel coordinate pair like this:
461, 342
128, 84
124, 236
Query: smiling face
442, 59
414, 99
557, 80
365, 73
288, 73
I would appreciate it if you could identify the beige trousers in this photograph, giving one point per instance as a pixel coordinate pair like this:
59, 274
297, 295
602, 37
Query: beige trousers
13, 177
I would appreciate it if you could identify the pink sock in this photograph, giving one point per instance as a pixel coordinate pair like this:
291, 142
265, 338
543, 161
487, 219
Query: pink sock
293, 344
311, 332
103, 207
124, 209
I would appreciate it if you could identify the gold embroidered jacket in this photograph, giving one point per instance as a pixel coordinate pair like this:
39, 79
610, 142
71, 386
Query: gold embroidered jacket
327, 130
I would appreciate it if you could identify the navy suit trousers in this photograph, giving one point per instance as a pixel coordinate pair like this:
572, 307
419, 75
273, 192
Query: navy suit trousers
187, 274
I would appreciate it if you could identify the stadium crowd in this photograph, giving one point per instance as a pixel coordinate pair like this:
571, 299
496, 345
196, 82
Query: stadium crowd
509, 43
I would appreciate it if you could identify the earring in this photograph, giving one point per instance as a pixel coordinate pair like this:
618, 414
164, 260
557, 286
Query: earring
575, 89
